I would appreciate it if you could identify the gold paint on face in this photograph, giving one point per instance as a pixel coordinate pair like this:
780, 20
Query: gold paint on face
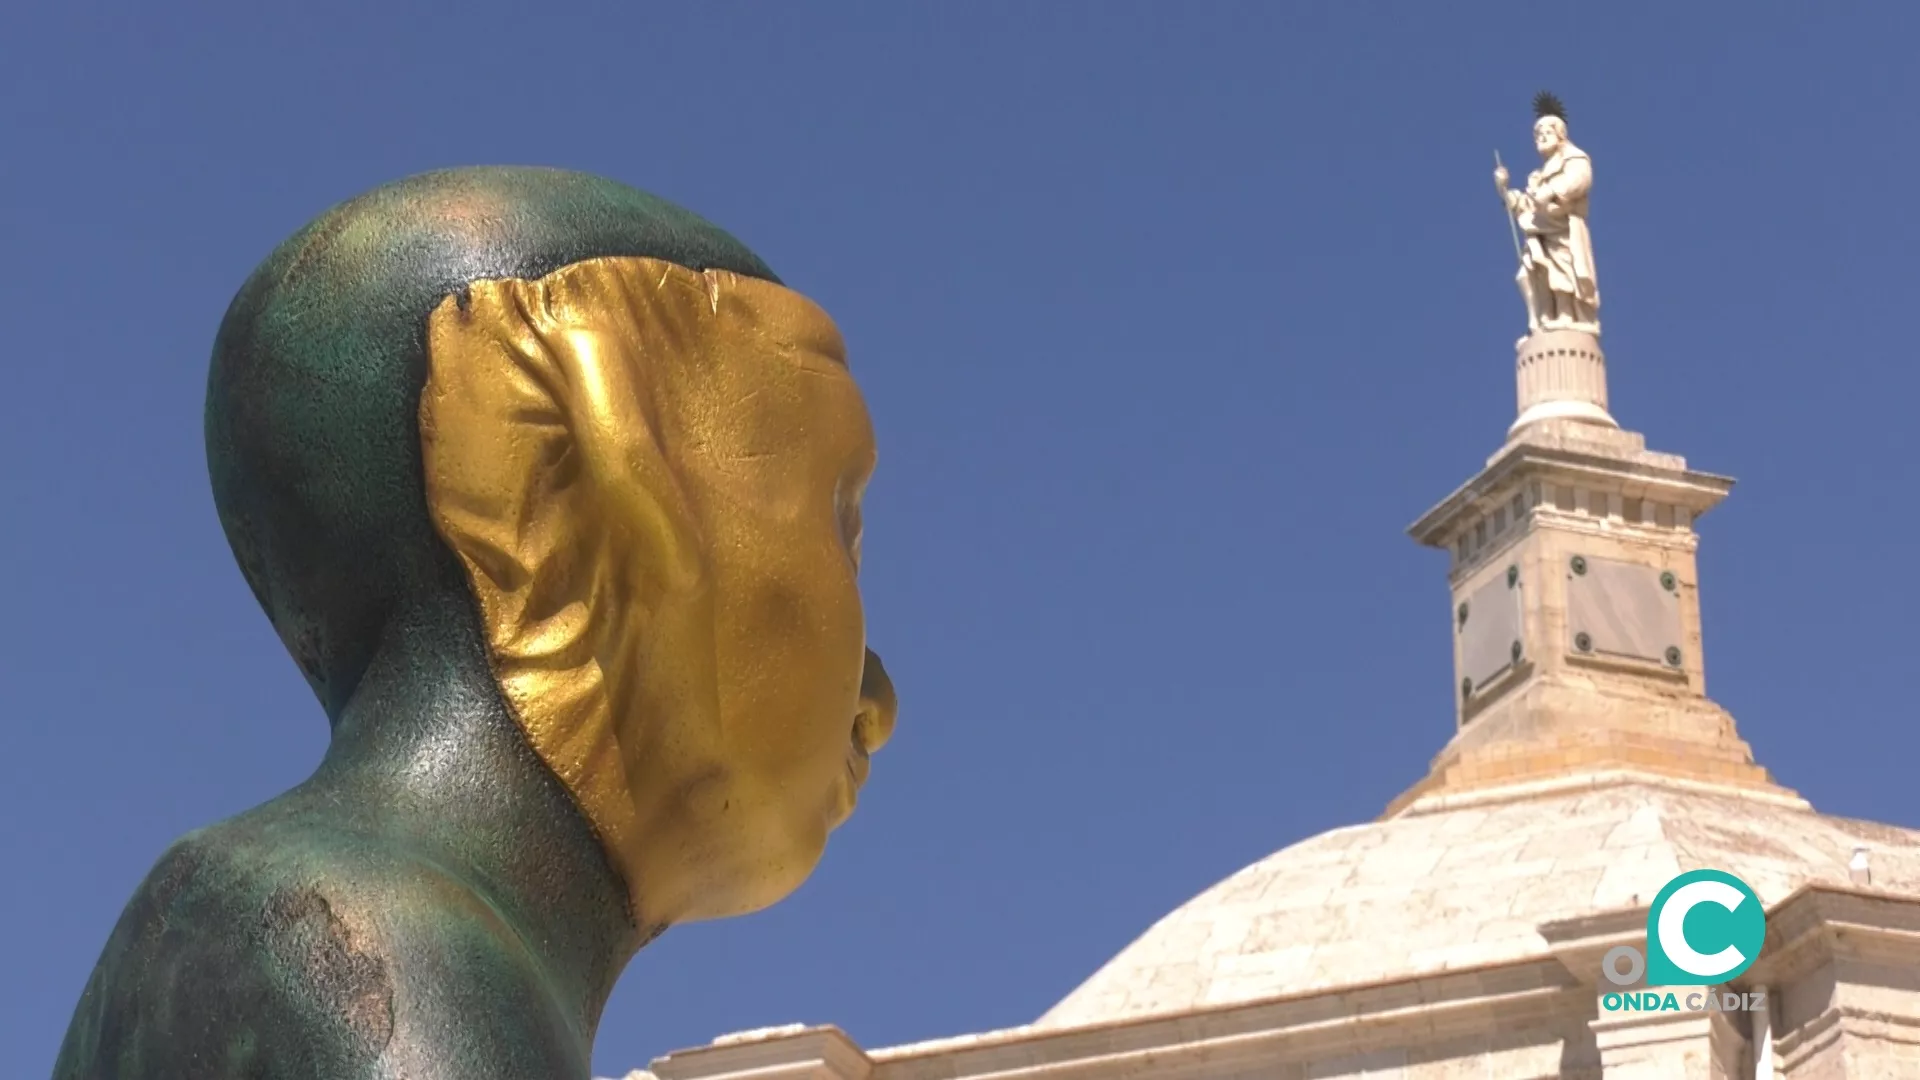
653, 478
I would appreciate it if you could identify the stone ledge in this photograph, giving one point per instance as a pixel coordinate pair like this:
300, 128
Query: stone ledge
1276, 1035
790, 1052
1531, 775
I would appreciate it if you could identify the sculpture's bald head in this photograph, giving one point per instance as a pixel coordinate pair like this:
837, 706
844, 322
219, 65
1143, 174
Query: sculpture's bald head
631, 452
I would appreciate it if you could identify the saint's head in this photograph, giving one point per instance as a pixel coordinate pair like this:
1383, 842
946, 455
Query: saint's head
607, 429
1549, 123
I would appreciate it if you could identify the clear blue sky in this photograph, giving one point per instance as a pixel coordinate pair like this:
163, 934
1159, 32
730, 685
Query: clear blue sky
1171, 317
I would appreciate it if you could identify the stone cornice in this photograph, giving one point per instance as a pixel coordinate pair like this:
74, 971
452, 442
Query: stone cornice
1817, 923
1811, 926
1429, 797
1403, 1012
791, 1053
1644, 475
1308, 1027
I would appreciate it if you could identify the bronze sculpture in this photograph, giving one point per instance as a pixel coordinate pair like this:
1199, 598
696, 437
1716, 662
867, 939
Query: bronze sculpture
552, 490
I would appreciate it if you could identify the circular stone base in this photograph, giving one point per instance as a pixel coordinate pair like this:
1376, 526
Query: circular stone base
1577, 411
1562, 375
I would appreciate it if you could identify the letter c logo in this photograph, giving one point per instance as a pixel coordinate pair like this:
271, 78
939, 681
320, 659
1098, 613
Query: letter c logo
1673, 933
1728, 928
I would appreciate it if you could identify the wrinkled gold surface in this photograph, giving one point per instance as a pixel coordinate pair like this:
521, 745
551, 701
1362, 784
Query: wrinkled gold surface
653, 478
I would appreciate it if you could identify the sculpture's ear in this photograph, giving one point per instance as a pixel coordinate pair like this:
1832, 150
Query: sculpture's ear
541, 451
541, 440
547, 474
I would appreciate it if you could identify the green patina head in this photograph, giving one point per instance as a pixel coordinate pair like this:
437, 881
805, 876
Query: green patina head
313, 441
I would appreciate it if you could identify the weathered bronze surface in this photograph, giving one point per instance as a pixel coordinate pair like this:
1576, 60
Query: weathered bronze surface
552, 491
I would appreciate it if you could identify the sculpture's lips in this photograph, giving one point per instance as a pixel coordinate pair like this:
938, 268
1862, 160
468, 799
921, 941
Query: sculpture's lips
866, 735
852, 779
860, 749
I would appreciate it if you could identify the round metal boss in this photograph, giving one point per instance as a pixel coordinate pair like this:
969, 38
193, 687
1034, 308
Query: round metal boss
1466, 688
1513, 576
1579, 564
1583, 641
1515, 651
1668, 581
1463, 614
1673, 655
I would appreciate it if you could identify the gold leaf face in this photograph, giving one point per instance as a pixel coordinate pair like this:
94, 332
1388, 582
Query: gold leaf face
653, 478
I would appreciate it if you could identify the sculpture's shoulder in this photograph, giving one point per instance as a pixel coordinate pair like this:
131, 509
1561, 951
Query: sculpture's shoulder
268, 949
1570, 160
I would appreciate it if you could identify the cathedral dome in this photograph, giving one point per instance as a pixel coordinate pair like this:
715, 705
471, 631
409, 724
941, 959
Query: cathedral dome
1469, 886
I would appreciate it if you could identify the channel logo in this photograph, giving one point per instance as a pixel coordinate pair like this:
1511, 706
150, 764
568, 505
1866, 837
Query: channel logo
1704, 928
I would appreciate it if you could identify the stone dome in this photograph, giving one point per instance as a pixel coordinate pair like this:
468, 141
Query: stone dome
1470, 885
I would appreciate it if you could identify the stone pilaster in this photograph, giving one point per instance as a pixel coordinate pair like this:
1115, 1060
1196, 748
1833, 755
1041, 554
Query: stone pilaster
1670, 1045
1846, 965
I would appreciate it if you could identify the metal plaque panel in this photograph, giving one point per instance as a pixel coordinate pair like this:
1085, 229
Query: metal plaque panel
1491, 633
1623, 610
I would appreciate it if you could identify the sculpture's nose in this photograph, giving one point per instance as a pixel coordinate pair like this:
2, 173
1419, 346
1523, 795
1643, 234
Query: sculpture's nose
879, 705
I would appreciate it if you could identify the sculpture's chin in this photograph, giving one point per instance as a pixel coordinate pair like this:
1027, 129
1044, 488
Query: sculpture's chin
767, 887
756, 865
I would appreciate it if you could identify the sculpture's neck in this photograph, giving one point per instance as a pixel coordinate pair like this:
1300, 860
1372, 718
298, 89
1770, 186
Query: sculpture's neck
426, 752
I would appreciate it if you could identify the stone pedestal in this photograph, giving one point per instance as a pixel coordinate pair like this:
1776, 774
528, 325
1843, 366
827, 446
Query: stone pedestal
1562, 375
1575, 609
